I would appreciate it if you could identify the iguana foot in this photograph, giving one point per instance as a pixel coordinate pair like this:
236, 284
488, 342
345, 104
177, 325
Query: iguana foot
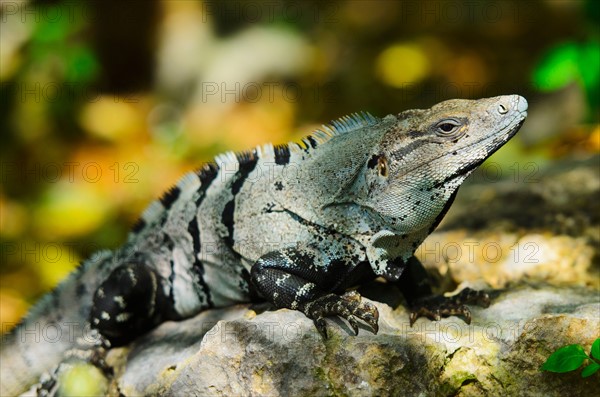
348, 306
437, 306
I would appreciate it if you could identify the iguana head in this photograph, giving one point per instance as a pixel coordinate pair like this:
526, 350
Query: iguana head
426, 154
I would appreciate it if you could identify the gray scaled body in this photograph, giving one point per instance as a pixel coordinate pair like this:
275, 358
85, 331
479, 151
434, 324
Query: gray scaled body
295, 224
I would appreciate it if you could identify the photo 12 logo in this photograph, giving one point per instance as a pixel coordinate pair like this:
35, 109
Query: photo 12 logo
69, 171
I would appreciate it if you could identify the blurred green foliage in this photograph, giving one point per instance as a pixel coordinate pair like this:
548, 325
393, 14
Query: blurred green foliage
571, 62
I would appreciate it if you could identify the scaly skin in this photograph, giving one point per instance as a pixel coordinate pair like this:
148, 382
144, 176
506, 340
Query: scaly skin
296, 225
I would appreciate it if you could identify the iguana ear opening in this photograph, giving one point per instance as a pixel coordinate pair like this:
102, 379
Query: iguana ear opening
382, 166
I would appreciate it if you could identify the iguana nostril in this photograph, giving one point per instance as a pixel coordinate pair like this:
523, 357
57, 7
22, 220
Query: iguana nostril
502, 109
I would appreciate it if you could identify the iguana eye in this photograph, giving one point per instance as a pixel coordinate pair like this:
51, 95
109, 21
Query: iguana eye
447, 127
382, 166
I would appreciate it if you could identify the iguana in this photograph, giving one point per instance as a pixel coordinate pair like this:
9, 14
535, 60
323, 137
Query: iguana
296, 225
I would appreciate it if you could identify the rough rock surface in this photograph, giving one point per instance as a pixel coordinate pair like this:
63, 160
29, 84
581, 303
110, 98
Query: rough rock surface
281, 354
535, 241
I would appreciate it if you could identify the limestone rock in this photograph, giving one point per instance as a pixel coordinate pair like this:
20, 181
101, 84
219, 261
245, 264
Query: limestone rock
280, 353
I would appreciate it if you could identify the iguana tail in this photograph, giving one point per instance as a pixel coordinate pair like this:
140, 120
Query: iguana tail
57, 323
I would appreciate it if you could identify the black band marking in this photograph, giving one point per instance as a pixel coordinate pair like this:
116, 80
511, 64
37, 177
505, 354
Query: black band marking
198, 266
247, 163
282, 154
206, 174
194, 231
227, 220
170, 196
139, 225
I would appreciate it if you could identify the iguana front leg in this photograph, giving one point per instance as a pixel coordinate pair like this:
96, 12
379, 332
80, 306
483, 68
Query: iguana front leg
415, 287
293, 278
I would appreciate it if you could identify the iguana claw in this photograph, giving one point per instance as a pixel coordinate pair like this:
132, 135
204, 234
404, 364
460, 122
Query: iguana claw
435, 307
348, 306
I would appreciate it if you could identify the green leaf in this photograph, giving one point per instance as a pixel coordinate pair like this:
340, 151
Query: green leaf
82, 65
590, 370
589, 62
557, 68
596, 349
565, 359
52, 31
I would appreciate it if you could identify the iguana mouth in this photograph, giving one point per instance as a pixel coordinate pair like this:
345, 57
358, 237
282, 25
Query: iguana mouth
508, 136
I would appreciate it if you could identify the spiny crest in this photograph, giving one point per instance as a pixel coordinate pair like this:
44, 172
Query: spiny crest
349, 123
241, 158
342, 125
